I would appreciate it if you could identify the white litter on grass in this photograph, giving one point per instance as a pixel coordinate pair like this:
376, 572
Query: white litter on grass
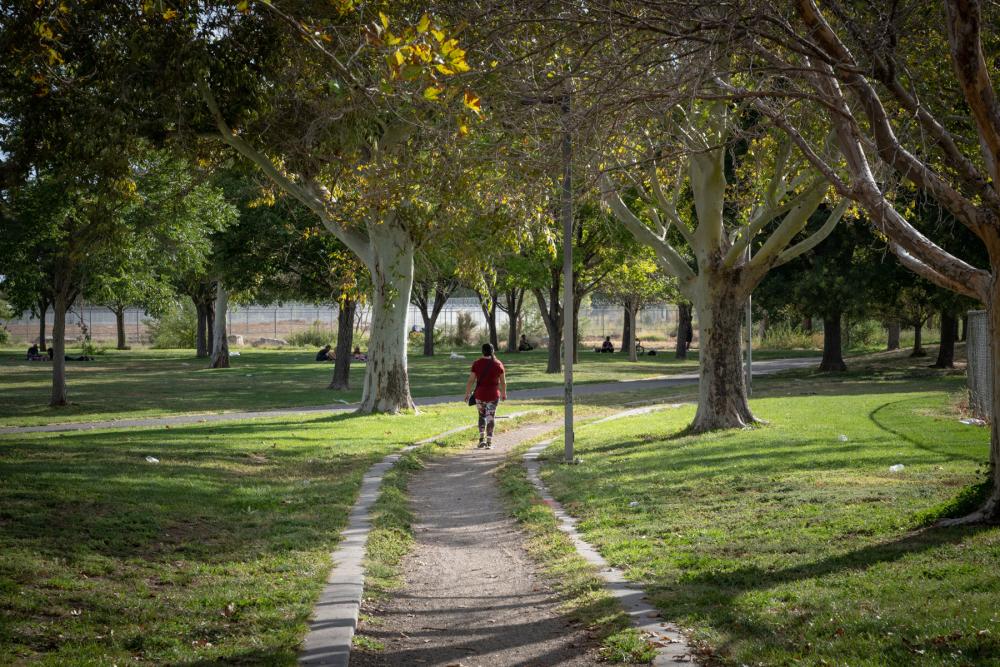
234, 354
634, 503
972, 421
842, 438
152, 459
896, 468
249, 375
456, 355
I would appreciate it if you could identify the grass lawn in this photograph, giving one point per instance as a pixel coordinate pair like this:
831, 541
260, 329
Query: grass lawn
789, 544
213, 555
149, 383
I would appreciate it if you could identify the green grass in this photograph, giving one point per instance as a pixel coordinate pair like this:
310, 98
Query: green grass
151, 383
213, 555
786, 545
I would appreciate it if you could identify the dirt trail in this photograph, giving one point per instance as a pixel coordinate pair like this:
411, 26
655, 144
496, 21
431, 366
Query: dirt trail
472, 595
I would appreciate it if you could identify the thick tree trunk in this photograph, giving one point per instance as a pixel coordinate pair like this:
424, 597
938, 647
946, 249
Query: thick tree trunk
345, 341
893, 328
387, 383
210, 327
685, 330
120, 327
201, 334
918, 348
722, 394
633, 354
946, 351
807, 324
220, 343
628, 335
58, 396
552, 317
833, 354
429, 322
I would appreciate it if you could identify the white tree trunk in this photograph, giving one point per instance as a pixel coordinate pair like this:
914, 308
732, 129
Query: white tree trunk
387, 384
722, 393
220, 344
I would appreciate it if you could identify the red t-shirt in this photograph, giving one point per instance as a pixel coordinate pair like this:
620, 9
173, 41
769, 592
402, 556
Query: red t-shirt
488, 371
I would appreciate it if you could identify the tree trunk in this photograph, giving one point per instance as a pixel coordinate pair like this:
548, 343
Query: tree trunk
685, 330
918, 348
552, 317
220, 343
965, 327
490, 315
210, 327
44, 308
893, 327
387, 383
722, 393
429, 323
59, 350
201, 334
633, 354
515, 299
807, 325
946, 351
345, 341
628, 335
120, 327
833, 354
845, 333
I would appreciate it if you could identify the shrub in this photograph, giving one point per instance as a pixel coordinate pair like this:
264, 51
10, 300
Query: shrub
784, 336
4, 335
177, 327
315, 336
865, 333
465, 327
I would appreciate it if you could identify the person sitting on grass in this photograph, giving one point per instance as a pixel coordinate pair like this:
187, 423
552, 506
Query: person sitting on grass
33, 354
358, 355
523, 345
325, 354
607, 347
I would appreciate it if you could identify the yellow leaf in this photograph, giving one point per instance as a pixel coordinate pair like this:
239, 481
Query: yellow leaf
432, 92
170, 14
449, 46
472, 102
463, 129
438, 35
493, 63
385, 20
425, 22
444, 69
460, 66
243, 6
399, 57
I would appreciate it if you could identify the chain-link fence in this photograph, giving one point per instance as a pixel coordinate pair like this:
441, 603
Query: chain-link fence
980, 364
656, 326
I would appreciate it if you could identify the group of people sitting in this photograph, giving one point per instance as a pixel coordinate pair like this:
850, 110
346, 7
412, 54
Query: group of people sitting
326, 353
607, 347
35, 355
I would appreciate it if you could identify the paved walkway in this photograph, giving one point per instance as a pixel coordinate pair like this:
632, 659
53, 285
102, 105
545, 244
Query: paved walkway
760, 368
472, 596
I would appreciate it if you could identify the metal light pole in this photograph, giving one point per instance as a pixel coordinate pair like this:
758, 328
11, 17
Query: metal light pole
749, 364
567, 220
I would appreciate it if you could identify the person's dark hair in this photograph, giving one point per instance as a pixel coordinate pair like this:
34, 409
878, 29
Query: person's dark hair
487, 350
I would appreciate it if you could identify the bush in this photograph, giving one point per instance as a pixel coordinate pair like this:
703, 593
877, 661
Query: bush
465, 327
315, 336
786, 337
177, 327
865, 333
4, 335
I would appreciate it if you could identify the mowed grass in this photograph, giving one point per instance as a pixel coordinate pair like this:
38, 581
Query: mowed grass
790, 544
154, 383
215, 554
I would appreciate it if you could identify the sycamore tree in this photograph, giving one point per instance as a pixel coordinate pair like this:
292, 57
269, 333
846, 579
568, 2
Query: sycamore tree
911, 97
635, 284
704, 180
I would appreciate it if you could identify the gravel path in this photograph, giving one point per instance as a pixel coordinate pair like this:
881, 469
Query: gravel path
472, 595
765, 367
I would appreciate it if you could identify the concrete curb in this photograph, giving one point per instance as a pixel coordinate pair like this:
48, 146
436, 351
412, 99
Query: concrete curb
335, 616
671, 646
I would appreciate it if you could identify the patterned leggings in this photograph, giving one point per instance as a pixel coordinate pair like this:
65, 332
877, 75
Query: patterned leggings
487, 412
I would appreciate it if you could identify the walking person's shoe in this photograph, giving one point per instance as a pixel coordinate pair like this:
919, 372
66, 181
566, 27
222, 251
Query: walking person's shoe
489, 443
482, 444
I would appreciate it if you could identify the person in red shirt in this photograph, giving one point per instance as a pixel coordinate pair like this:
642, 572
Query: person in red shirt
490, 383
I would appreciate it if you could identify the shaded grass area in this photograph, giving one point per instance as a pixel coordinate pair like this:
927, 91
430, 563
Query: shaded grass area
151, 383
213, 555
789, 544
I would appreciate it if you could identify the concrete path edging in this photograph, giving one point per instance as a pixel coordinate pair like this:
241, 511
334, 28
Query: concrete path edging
335, 615
671, 645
